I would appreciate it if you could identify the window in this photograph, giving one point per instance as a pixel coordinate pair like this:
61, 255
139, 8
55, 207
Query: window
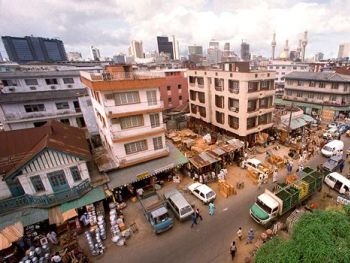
201, 97
9, 82
219, 101
68, 80
299, 94
319, 96
37, 183
158, 143
180, 97
152, 97
335, 85
322, 85
169, 100
179, 86
65, 121
88, 103
34, 107
32, 88
135, 147
220, 117
310, 95
124, 98
154, 119
283, 67
251, 123
31, 82
294, 67
62, 105
300, 83
333, 97
131, 121
51, 81
312, 84
75, 173
289, 93
168, 88
233, 122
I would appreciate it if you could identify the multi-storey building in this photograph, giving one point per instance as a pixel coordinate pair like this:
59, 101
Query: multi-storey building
32, 95
26, 49
95, 53
245, 51
165, 46
323, 93
128, 110
344, 50
283, 68
174, 92
74, 56
214, 53
234, 98
136, 49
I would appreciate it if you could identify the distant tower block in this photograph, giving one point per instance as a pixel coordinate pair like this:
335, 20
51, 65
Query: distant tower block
299, 49
304, 43
273, 44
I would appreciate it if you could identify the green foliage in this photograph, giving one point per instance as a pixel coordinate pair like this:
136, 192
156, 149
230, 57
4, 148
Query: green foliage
321, 236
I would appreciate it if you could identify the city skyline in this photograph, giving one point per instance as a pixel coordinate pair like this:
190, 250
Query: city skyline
112, 25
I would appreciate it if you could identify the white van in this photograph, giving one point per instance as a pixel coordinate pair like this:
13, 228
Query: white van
333, 148
177, 202
337, 182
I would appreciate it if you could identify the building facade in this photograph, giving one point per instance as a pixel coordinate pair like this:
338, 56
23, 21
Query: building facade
326, 94
344, 50
234, 98
31, 96
95, 53
27, 49
128, 110
43, 167
174, 92
283, 68
74, 56
245, 51
136, 49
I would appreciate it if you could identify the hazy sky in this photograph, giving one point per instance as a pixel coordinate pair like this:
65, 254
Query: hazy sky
110, 25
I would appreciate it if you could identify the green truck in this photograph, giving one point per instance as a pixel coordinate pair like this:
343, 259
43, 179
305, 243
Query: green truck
271, 205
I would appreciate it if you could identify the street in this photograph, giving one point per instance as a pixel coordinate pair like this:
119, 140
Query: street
209, 241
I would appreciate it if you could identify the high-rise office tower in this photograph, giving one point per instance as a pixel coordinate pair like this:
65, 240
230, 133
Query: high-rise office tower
26, 49
136, 49
245, 51
195, 53
344, 50
214, 52
176, 50
95, 53
165, 46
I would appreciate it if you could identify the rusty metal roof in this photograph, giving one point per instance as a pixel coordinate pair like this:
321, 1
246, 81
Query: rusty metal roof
19, 146
203, 159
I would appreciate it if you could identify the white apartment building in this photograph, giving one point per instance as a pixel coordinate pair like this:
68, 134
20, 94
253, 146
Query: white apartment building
234, 98
282, 68
32, 95
128, 110
323, 93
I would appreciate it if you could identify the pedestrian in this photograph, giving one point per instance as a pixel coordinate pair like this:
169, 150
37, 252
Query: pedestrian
198, 215
211, 208
240, 233
260, 180
341, 166
275, 176
52, 237
233, 249
250, 236
194, 220
265, 177
289, 167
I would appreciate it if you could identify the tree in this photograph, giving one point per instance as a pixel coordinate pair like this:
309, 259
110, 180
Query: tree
321, 236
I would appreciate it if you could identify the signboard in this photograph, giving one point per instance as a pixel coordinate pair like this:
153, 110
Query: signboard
142, 176
328, 115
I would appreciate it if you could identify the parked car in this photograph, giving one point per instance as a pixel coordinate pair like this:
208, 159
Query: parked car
332, 125
256, 166
202, 192
331, 133
343, 128
333, 163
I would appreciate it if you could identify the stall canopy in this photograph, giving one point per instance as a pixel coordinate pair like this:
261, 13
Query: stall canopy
144, 170
236, 144
11, 233
58, 218
298, 122
91, 197
203, 159
27, 217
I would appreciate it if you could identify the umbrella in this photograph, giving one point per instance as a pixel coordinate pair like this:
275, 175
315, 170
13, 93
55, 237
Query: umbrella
10, 234
4, 242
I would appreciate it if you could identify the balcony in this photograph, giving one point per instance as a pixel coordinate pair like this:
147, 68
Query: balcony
137, 132
37, 116
44, 201
136, 108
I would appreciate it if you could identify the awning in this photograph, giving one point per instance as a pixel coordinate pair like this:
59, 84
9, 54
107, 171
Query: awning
11, 234
203, 159
58, 218
147, 169
27, 216
93, 196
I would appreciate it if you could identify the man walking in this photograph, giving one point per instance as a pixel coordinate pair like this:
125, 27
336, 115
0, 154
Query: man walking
194, 220
211, 208
198, 215
240, 233
250, 236
341, 166
233, 249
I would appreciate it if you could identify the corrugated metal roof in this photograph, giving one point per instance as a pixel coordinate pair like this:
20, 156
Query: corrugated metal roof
28, 217
19, 146
91, 197
320, 76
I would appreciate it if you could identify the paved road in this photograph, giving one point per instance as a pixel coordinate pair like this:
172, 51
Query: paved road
207, 242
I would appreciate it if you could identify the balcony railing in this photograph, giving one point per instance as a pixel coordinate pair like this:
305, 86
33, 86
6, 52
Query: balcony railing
45, 201
107, 76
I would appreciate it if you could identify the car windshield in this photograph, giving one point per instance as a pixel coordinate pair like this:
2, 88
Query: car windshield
327, 148
210, 194
185, 210
263, 206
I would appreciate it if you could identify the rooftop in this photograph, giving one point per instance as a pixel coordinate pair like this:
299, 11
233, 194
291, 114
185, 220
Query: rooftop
320, 76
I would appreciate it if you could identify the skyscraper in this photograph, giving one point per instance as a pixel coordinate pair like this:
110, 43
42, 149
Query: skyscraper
245, 52
344, 50
165, 46
136, 49
214, 53
26, 49
95, 53
176, 50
